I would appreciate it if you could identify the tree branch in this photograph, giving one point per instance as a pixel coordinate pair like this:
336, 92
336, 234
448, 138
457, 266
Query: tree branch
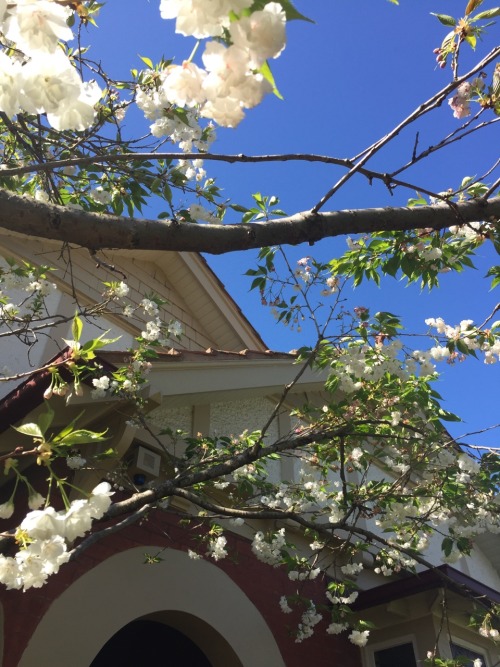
98, 231
434, 102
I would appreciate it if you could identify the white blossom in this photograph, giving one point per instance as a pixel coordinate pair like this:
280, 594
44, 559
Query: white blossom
269, 552
352, 568
216, 548
6, 510
149, 307
153, 330
262, 33
78, 114
316, 545
35, 501
182, 84
200, 18
359, 637
101, 385
49, 83
285, 607
100, 195
75, 462
121, 290
36, 26
175, 328
336, 628
309, 619
10, 74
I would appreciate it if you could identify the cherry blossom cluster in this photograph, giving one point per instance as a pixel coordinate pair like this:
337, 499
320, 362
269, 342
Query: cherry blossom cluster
340, 597
305, 272
309, 619
359, 637
427, 253
186, 131
39, 77
269, 552
23, 293
460, 102
361, 362
476, 231
128, 383
44, 536
230, 80
470, 338
392, 561
217, 547
156, 332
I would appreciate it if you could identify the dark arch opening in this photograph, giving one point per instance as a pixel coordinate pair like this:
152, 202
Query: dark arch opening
145, 642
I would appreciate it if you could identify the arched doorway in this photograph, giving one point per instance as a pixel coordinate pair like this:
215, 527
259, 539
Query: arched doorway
146, 642
194, 597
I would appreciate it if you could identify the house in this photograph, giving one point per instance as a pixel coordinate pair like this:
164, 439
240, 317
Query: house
109, 606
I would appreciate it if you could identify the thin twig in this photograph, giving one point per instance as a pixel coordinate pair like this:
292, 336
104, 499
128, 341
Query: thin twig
109, 530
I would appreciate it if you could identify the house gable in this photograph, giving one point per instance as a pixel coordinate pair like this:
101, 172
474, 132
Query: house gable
191, 291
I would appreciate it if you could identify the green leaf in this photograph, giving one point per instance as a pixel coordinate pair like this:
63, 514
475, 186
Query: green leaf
471, 40
448, 416
147, 61
495, 272
258, 283
45, 419
445, 19
32, 430
107, 454
82, 437
96, 344
76, 328
447, 546
291, 13
67, 429
462, 347
238, 208
488, 14
391, 267
332, 383
181, 114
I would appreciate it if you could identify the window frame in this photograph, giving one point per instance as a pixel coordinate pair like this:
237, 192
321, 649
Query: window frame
482, 652
371, 649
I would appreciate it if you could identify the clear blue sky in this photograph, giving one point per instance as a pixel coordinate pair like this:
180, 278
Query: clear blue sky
346, 81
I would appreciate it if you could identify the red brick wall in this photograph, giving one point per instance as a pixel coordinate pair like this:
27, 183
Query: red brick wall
262, 584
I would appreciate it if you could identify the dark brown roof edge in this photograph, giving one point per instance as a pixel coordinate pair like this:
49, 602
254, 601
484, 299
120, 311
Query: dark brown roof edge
29, 394
442, 576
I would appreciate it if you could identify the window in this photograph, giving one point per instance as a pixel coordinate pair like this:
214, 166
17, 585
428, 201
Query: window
463, 652
395, 656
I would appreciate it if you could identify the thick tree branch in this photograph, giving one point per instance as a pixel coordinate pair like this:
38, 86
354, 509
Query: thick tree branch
98, 231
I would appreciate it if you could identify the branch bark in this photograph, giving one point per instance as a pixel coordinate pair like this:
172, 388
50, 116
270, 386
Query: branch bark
99, 231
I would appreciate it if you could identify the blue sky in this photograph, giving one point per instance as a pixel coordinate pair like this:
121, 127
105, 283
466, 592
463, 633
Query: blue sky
347, 79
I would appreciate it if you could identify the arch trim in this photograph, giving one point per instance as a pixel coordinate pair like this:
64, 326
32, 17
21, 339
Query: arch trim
122, 588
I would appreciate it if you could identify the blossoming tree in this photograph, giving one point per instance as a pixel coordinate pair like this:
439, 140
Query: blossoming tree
380, 478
